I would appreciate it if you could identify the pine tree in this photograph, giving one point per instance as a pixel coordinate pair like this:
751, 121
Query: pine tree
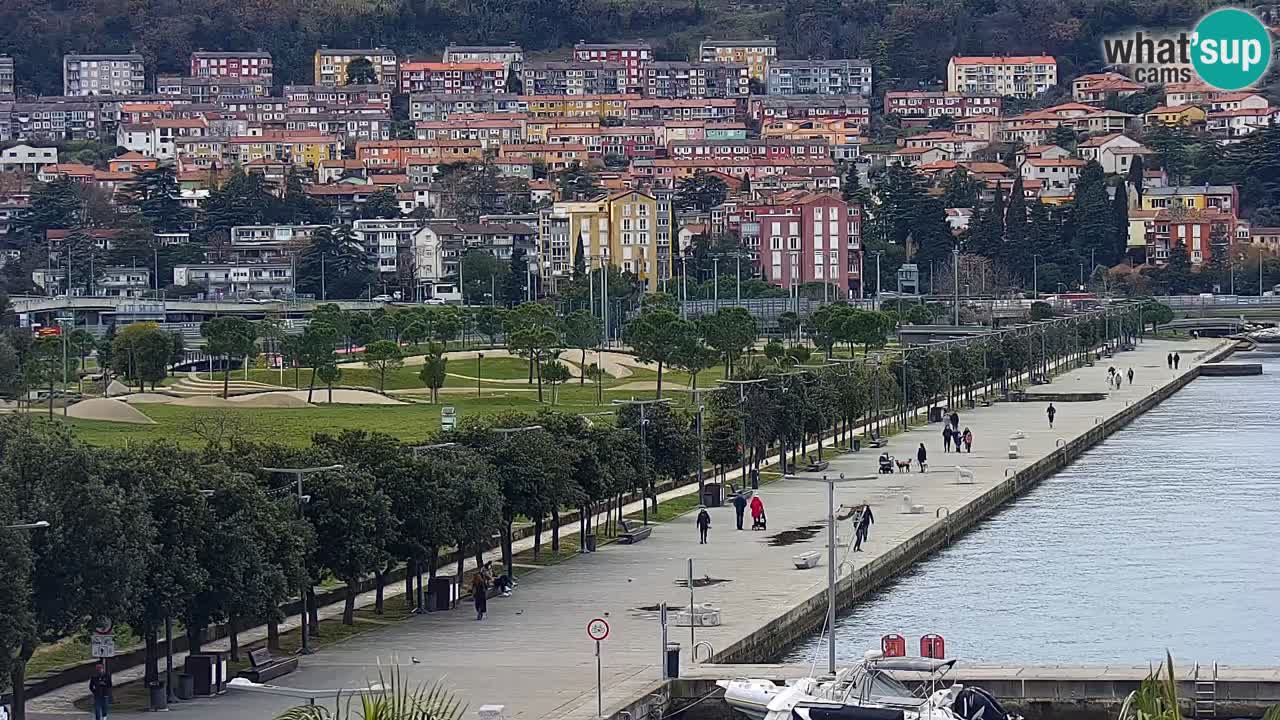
1093, 230
1120, 220
986, 228
1136, 172
579, 259
959, 190
852, 184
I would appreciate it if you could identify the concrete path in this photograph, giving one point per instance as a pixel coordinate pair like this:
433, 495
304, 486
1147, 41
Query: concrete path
532, 654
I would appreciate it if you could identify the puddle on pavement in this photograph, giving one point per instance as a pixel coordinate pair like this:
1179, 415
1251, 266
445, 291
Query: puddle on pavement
791, 537
704, 581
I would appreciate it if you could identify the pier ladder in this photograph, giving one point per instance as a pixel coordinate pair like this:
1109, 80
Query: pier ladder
1206, 693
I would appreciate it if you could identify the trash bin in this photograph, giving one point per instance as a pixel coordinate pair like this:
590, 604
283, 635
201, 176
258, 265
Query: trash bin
186, 686
857, 444
208, 671
712, 495
673, 660
590, 542
935, 414
159, 698
755, 479
440, 592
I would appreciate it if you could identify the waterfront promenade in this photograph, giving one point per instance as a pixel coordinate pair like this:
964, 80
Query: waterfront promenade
532, 654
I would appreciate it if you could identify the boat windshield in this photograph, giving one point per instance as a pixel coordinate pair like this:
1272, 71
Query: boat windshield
881, 686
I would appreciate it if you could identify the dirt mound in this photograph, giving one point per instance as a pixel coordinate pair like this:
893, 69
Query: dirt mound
341, 396
108, 410
271, 400
147, 397
118, 388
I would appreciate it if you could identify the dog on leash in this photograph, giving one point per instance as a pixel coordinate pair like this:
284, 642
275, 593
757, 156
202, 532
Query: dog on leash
903, 465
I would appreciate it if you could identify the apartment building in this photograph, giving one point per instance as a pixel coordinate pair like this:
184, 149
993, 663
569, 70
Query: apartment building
439, 107
800, 236
28, 159
634, 55
237, 280
53, 120
1021, 76
755, 54
662, 109
511, 55
331, 65
341, 95
7, 83
764, 108
438, 246
1192, 197
819, 77
123, 281
925, 105
387, 240
1199, 230
236, 64
1098, 88
685, 80
270, 243
453, 77
621, 229
580, 77
764, 149
103, 75
212, 89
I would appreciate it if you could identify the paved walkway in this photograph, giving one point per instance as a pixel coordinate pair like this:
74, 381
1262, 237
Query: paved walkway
532, 654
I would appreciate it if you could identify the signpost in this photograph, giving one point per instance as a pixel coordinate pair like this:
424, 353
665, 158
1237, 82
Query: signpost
448, 418
598, 630
102, 643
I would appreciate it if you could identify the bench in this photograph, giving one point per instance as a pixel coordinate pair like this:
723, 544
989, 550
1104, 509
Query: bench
264, 667
632, 533
878, 442
816, 465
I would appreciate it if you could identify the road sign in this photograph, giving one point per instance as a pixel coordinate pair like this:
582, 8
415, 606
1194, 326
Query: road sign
104, 646
448, 418
598, 629
104, 626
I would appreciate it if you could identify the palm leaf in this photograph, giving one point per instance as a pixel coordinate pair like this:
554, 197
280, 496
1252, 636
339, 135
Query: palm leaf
391, 698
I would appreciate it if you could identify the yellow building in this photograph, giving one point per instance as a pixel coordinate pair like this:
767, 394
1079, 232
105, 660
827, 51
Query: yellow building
331, 65
1180, 115
577, 106
535, 131
621, 228
1192, 197
310, 150
755, 54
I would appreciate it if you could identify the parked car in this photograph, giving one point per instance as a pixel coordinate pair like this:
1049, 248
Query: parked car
433, 301
382, 298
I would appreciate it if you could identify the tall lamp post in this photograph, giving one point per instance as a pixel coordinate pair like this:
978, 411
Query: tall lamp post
830, 482
1035, 277
63, 323
298, 474
643, 422
479, 357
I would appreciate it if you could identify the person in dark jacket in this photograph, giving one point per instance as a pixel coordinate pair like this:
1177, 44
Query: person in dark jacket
955, 420
1177, 358
480, 594
704, 524
1130, 373
739, 506
100, 688
1169, 359
946, 438
922, 458
1051, 412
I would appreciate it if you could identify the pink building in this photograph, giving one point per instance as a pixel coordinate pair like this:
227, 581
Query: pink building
248, 64
800, 236
636, 56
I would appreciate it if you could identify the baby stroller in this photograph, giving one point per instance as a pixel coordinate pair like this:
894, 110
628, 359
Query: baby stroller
760, 523
886, 464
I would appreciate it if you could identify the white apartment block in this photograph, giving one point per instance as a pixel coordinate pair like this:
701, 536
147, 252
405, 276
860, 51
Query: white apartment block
511, 55
29, 159
6, 75
385, 240
103, 75
1021, 76
225, 280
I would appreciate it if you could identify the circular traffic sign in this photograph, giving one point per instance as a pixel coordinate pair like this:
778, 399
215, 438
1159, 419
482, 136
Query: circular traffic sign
598, 629
104, 626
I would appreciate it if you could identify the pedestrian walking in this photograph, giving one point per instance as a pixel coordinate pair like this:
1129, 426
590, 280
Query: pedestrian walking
946, 438
758, 521
704, 524
739, 506
1130, 374
100, 689
1177, 358
922, 458
864, 526
480, 594
955, 420
1052, 411
968, 441
1169, 359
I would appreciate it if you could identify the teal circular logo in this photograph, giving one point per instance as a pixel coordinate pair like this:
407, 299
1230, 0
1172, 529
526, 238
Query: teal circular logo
1231, 49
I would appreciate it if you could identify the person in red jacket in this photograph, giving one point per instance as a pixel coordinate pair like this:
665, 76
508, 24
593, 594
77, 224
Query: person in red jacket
757, 513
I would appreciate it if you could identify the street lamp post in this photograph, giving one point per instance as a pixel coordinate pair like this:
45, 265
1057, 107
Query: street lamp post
644, 503
479, 357
830, 482
955, 271
62, 330
298, 474
715, 281
1035, 277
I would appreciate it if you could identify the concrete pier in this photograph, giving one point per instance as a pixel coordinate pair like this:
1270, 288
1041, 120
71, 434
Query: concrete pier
531, 653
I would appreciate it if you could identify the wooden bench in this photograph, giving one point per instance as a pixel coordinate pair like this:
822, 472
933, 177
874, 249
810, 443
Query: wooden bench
878, 442
264, 667
632, 533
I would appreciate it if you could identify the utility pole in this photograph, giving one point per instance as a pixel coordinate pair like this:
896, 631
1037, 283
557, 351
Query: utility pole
298, 474
715, 281
878, 254
955, 271
1035, 277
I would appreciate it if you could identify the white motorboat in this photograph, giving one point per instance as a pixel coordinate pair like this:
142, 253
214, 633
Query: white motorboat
866, 691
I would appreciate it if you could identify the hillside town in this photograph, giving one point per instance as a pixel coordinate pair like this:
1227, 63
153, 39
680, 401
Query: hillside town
606, 156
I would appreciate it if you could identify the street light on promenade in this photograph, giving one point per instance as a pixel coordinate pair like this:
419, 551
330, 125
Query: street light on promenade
830, 482
298, 474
